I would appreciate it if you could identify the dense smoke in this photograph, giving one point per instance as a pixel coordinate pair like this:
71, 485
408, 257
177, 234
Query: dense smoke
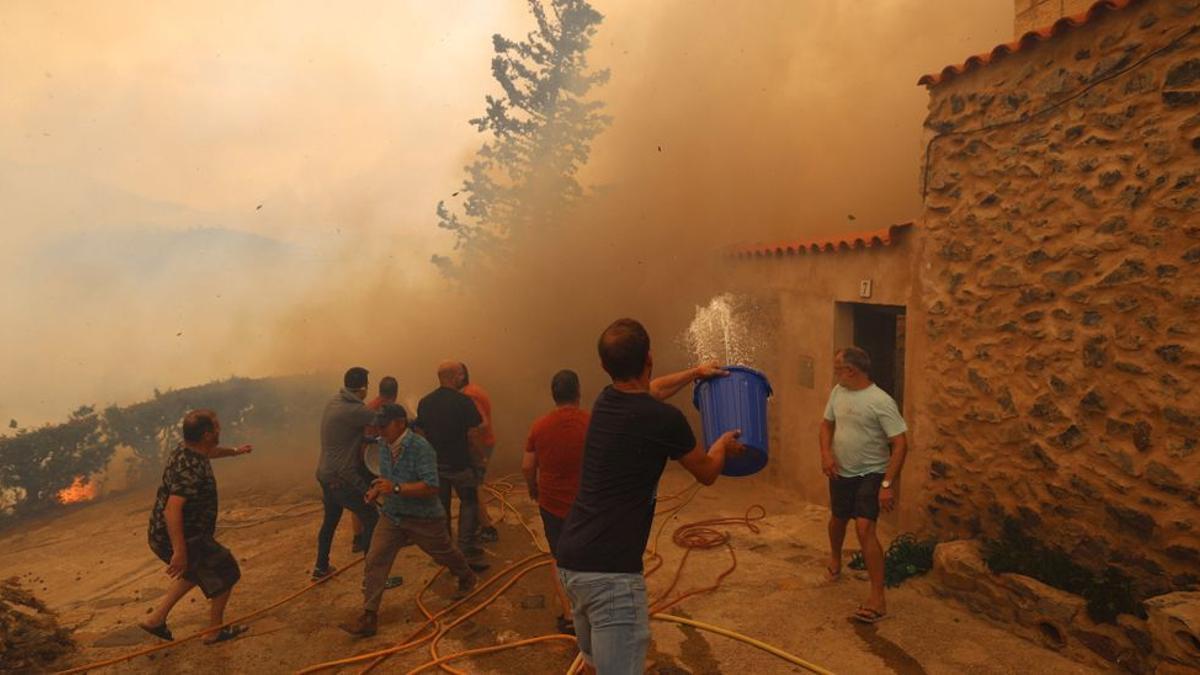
766, 121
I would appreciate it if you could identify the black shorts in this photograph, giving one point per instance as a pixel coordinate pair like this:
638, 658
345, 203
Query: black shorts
856, 497
553, 525
211, 566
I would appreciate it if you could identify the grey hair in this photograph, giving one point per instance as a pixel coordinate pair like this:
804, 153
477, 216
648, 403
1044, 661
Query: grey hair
856, 357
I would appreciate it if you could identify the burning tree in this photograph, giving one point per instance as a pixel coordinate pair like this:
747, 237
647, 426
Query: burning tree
541, 131
60, 463
35, 465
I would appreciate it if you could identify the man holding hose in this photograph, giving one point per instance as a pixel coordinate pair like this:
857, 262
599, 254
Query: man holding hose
631, 435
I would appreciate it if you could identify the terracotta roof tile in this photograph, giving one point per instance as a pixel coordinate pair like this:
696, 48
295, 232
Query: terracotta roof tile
1026, 41
885, 237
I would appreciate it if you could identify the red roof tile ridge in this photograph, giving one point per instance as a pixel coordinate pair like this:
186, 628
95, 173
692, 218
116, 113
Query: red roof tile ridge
1027, 40
848, 242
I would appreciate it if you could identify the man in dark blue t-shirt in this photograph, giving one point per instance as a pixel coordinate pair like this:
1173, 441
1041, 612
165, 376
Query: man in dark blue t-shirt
631, 436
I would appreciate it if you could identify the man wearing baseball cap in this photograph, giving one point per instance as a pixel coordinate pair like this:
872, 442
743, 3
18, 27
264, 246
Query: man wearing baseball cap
411, 514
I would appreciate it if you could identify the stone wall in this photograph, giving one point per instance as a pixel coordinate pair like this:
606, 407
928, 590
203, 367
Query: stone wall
1036, 14
1060, 288
1167, 641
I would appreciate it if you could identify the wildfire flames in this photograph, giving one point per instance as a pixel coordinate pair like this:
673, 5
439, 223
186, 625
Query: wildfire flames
81, 490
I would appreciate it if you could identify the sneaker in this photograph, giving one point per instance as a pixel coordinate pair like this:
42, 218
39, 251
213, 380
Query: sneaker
320, 573
479, 566
465, 586
489, 535
365, 625
358, 545
393, 582
473, 553
565, 625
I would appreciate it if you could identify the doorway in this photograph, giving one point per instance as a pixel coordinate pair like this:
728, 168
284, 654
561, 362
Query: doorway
880, 330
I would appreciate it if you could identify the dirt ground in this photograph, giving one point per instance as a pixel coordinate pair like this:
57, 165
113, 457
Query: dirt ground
92, 565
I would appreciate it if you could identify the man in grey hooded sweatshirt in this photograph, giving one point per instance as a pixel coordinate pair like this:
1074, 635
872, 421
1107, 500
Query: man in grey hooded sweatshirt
342, 484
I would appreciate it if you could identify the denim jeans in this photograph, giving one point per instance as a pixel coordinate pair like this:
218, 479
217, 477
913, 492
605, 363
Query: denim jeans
465, 483
612, 621
337, 497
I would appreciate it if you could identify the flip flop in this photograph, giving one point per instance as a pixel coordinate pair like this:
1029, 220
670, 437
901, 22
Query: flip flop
868, 615
159, 631
227, 633
831, 576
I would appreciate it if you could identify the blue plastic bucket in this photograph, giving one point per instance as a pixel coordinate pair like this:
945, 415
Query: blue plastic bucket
738, 401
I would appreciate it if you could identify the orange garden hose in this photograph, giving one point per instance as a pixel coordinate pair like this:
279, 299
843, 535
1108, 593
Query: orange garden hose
494, 648
689, 536
412, 641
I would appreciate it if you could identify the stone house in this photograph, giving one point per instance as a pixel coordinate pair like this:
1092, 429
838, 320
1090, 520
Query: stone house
1051, 294
823, 294
1060, 289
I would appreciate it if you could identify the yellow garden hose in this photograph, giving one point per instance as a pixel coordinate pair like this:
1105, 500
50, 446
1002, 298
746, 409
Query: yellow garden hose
792, 658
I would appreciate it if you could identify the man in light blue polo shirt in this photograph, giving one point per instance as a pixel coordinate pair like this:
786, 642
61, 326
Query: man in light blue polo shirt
412, 514
863, 444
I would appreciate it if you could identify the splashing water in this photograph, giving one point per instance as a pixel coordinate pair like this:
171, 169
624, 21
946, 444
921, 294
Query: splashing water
721, 332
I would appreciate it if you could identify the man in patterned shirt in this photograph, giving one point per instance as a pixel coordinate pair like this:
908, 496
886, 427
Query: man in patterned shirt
182, 525
412, 514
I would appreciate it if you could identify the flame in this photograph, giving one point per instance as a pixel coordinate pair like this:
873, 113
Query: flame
81, 490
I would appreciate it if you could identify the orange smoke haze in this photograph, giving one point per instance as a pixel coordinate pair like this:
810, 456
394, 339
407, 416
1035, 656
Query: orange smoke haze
311, 145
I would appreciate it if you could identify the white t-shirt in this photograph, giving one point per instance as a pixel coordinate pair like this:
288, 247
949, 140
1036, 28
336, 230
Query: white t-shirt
863, 421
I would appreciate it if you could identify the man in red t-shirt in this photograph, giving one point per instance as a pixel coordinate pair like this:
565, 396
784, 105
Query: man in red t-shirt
487, 438
389, 390
552, 464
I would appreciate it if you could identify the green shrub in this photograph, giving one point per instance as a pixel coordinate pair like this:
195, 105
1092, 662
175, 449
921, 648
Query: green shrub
906, 557
1108, 592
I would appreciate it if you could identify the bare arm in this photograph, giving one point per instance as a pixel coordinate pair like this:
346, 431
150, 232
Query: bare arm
706, 466
899, 453
417, 489
383, 486
230, 452
475, 445
173, 513
529, 466
663, 388
887, 495
828, 463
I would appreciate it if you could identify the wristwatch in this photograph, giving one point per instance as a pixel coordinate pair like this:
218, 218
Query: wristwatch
396, 489
885, 484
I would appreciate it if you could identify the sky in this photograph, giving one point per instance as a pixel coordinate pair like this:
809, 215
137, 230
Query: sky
187, 184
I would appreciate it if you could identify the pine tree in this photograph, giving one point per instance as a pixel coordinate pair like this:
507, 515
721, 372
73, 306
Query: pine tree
523, 178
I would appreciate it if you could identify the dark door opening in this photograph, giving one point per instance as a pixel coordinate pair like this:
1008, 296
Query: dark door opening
879, 329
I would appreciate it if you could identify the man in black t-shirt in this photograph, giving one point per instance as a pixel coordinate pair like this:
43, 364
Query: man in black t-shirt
451, 423
631, 436
182, 525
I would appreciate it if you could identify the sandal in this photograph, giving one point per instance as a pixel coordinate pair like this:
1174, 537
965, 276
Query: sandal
159, 631
868, 615
227, 633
